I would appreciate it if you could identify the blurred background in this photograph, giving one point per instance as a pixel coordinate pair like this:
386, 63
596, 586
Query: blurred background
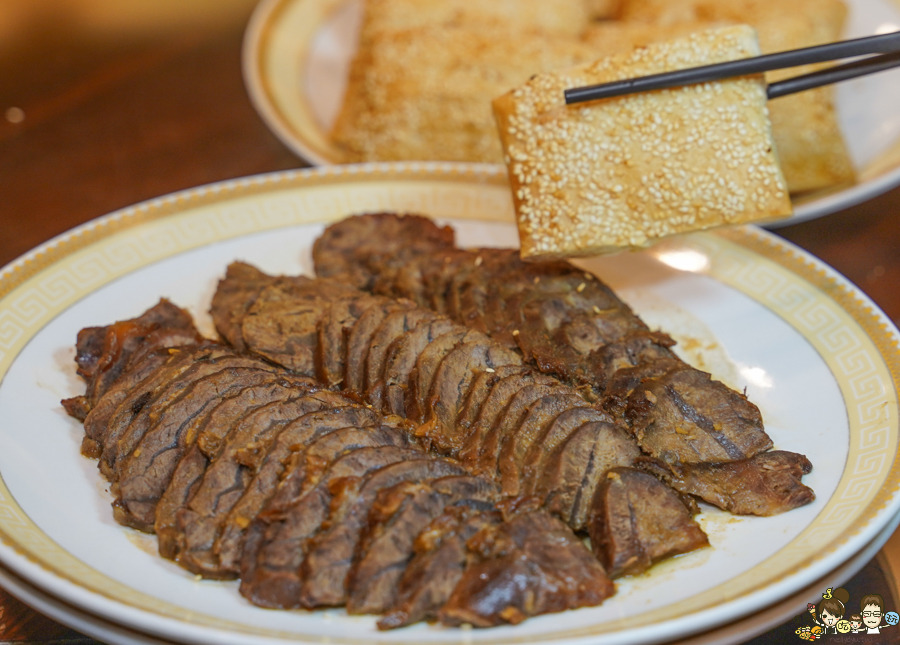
104, 103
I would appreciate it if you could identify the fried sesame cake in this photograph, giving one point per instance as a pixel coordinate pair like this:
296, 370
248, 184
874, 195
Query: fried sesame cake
609, 37
622, 173
425, 93
564, 17
810, 145
603, 9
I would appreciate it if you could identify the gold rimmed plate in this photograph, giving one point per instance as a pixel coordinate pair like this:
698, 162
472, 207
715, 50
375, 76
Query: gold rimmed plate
297, 54
812, 351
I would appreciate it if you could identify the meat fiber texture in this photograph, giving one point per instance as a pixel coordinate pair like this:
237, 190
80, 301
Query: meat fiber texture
342, 443
562, 321
513, 436
244, 467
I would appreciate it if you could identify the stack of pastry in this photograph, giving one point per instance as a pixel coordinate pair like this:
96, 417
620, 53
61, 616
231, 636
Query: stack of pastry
426, 71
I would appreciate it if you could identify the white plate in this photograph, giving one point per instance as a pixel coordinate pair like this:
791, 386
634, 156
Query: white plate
813, 352
297, 54
114, 634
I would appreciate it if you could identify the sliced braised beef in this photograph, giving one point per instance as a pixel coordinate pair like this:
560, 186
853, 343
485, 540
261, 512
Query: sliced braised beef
685, 416
469, 266
510, 420
319, 455
424, 278
531, 564
134, 407
330, 552
439, 559
394, 325
636, 520
172, 393
234, 296
560, 315
295, 436
427, 364
637, 348
478, 393
398, 516
97, 420
210, 431
553, 308
401, 361
765, 484
104, 353
359, 337
383, 240
571, 474
89, 345
331, 346
535, 422
451, 383
539, 454
160, 339
570, 324
281, 324
146, 472
317, 500
492, 409
437, 274
275, 544
226, 478
627, 379
478, 294
425, 281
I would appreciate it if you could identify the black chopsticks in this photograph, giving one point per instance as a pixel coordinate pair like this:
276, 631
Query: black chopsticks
887, 46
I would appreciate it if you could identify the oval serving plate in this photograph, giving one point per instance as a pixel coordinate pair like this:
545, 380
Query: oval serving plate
811, 350
297, 54
115, 634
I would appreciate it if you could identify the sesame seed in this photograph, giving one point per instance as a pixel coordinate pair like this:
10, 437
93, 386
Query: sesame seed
616, 173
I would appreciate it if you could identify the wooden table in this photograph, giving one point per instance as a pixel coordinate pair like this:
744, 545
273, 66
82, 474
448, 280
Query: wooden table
91, 121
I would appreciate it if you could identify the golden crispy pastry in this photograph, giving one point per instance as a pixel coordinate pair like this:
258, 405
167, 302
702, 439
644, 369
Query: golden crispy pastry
602, 9
810, 145
617, 37
425, 93
622, 173
564, 17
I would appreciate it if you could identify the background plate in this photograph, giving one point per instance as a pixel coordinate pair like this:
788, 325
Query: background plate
813, 352
297, 53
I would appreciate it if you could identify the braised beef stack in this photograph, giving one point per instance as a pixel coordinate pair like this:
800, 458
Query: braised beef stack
695, 433
473, 399
242, 466
354, 448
